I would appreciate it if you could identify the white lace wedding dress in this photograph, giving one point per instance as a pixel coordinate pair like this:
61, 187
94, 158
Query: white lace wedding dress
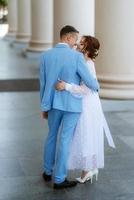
87, 147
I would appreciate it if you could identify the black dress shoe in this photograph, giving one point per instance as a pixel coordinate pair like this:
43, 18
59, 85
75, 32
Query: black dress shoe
65, 184
46, 177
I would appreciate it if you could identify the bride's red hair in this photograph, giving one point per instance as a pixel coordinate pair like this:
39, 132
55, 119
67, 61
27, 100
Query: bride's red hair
91, 46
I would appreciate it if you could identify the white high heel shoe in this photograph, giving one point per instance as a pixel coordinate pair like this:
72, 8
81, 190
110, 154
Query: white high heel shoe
95, 173
86, 178
89, 176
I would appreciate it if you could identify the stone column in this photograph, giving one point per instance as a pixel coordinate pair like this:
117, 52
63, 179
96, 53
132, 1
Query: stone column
115, 64
42, 26
77, 13
24, 21
12, 18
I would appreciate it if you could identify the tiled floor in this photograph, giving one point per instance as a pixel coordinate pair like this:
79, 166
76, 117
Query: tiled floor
22, 135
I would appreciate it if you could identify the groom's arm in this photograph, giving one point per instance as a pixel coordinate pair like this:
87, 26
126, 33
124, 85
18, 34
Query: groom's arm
42, 79
85, 75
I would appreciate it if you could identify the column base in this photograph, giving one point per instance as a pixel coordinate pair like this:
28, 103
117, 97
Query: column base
35, 49
21, 41
39, 46
117, 94
9, 38
10, 35
116, 87
20, 44
32, 54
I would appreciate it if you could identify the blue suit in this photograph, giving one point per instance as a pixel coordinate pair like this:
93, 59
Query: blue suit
66, 64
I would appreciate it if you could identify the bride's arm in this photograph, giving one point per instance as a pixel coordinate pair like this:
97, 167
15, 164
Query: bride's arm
76, 90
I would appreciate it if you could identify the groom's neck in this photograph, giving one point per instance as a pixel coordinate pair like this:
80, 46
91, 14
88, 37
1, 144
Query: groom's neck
63, 41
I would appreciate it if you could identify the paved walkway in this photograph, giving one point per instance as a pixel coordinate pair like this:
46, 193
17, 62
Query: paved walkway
22, 134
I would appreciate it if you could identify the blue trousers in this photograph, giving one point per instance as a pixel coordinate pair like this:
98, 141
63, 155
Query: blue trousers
56, 157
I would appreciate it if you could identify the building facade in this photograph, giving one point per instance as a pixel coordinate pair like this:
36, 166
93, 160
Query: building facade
37, 24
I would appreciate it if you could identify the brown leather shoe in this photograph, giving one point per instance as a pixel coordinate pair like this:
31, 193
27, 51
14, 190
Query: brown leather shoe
65, 184
46, 177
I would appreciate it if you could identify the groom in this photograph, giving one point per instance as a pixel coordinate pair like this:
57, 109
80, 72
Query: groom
61, 63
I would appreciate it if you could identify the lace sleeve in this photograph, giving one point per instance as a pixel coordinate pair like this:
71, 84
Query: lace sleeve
76, 90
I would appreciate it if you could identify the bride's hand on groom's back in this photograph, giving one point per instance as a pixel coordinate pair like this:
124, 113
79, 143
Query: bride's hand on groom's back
60, 85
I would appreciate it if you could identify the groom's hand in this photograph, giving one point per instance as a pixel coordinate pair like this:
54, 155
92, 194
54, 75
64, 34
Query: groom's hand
44, 115
60, 85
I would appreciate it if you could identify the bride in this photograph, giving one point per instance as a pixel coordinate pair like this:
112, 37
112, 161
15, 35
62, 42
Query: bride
87, 147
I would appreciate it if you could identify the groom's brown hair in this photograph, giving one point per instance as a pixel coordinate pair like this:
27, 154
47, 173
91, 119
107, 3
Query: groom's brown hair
68, 29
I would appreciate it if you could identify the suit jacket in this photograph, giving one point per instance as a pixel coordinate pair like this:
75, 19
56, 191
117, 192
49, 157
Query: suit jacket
62, 62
